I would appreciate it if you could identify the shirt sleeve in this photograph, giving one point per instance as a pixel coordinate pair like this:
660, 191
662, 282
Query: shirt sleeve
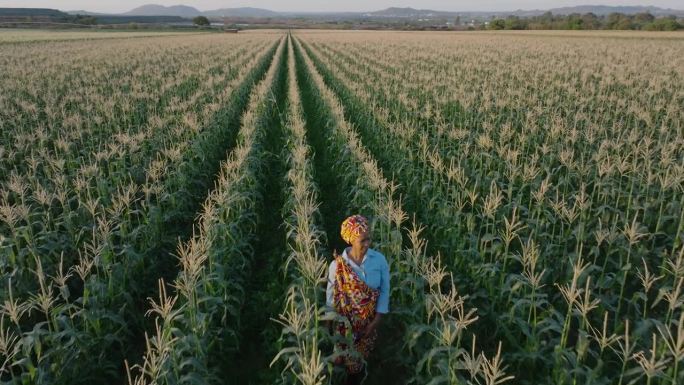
383, 299
331, 283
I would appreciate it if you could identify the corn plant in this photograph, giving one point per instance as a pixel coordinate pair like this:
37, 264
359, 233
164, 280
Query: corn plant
306, 265
87, 321
526, 188
196, 328
419, 294
507, 189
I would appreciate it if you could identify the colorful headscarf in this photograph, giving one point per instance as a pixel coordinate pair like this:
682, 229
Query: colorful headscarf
352, 227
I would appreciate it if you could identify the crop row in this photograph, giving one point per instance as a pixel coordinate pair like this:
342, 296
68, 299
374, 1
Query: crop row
541, 227
75, 173
196, 328
545, 198
73, 308
425, 306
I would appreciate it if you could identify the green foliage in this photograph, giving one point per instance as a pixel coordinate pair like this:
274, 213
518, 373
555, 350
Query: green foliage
588, 21
663, 24
83, 19
98, 263
497, 24
514, 22
548, 335
199, 325
546, 173
201, 21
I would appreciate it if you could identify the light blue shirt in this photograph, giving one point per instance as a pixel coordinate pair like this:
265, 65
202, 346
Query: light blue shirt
374, 271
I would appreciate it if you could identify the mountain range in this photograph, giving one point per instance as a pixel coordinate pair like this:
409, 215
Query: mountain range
393, 12
186, 11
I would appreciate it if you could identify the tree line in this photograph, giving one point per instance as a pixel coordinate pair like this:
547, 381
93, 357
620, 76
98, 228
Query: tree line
589, 21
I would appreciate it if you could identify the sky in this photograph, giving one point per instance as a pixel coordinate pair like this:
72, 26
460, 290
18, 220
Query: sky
331, 6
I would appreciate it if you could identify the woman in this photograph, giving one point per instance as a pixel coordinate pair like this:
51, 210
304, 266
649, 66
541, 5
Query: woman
358, 289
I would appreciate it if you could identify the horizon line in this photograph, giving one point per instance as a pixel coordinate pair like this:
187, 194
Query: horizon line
367, 11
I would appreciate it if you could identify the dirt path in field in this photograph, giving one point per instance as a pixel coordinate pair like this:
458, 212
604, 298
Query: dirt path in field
362, 117
333, 205
382, 366
265, 283
332, 194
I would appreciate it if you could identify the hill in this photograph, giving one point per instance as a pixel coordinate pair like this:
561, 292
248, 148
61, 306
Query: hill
160, 10
26, 12
601, 10
241, 12
87, 13
408, 12
388, 13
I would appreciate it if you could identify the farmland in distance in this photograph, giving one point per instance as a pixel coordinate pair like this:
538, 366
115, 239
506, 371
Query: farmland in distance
169, 204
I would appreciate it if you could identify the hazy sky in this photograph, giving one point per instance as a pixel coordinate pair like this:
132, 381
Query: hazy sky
318, 5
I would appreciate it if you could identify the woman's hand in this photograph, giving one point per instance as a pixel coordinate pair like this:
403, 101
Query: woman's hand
371, 326
369, 329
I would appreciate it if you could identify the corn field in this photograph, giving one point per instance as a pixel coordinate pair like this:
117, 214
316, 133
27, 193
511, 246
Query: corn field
169, 205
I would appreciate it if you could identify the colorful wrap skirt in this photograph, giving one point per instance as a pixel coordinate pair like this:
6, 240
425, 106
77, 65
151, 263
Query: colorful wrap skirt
356, 301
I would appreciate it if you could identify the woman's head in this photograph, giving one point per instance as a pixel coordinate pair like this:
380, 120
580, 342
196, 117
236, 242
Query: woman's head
355, 231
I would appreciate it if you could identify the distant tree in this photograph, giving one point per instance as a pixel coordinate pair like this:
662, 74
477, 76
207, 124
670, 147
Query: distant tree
547, 17
643, 18
84, 19
201, 21
612, 20
497, 24
664, 24
590, 21
574, 21
619, 21
514, 22
625, 23
544, 21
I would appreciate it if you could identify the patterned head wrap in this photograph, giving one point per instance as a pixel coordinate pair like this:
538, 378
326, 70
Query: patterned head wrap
352, 227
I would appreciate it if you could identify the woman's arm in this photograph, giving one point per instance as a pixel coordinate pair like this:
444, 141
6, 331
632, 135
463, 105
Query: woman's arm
382, 306
383, 299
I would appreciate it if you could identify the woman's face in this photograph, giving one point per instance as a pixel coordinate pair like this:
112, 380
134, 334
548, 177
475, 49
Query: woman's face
362, 243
